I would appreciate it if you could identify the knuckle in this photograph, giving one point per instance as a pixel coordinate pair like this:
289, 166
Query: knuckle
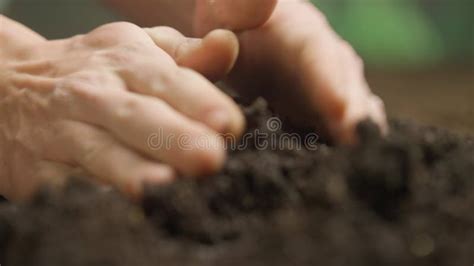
84, 87
169, 78
132, 48
115, 33
128, 109
96, 57
122, 26
168, 31
126, 54
119, 55
77, 41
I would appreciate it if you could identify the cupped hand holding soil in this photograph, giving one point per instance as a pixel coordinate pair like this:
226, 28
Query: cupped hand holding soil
93, 102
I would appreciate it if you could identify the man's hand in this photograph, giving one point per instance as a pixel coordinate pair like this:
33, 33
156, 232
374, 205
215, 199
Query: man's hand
307, 72
289, 54
94, 101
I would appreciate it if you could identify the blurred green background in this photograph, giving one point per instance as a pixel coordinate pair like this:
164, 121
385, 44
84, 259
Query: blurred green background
406, 33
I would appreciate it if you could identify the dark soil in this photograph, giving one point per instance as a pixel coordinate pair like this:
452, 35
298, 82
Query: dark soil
407, 199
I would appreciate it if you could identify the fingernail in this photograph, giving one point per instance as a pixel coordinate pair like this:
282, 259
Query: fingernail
218, 120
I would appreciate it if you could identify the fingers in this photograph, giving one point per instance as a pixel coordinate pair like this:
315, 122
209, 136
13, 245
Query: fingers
332, 74
147, 69
230, 14
109, 161
190, 94
213, 56
149, 126
53, 173
315, 78
344, 97
37, 175
377, 113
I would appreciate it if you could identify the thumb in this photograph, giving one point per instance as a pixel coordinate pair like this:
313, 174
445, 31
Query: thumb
236, 15
213, 56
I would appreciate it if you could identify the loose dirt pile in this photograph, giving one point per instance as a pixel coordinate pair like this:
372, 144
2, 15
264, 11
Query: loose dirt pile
407, 199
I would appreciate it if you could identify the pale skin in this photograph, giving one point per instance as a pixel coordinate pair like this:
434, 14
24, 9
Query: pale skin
90, 103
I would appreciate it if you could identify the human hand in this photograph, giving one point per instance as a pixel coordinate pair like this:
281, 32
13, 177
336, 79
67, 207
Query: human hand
93, 101
306, 71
